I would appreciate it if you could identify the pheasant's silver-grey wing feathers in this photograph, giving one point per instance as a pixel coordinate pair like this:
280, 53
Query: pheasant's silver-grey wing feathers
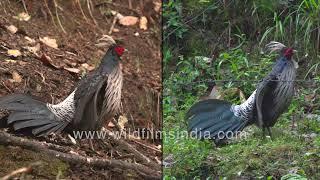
87, 101
263, 88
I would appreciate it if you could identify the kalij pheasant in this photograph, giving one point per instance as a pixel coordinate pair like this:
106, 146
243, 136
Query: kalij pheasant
97, 98
213, 118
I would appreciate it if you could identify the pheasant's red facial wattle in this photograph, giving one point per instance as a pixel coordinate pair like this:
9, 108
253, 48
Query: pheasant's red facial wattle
119, 50
288, 53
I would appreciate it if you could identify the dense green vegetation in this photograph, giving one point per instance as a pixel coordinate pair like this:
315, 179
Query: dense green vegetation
207, 40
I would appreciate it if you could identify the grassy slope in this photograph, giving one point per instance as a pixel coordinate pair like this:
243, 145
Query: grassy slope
291, 151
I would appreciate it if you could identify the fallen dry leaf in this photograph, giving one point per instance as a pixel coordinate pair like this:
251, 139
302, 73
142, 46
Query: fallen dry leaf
73, 70
72, 140
49, 42
14, 52
38, 88
73, 152
16, 77
157, 6
34, 49
87, 66
115, 30
117, 14
22, 63
30, 40
242, 96
113, 12
122, 121
47, 61
143, 23
128, 20
12, 29
110, 124
10, 61
23, 17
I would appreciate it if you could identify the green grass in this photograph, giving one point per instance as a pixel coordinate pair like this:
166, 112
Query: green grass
289, 151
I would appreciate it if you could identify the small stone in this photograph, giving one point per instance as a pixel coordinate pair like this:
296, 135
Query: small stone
115, 30
38, 88
12, 29
143, 23
30, 40
128, 20
22, 17
16, 77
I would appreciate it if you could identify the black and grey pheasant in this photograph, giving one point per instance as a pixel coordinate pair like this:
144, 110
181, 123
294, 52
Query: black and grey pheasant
213, 118
96, 98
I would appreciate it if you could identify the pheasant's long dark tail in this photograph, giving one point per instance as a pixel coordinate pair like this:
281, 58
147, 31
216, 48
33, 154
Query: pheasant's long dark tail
26, 112
213, 119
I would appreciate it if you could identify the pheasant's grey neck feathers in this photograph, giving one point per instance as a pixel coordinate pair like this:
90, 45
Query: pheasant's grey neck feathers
65, 109
112, 95
245, 110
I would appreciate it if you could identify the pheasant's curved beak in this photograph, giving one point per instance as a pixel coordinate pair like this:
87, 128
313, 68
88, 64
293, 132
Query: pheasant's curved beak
295, 51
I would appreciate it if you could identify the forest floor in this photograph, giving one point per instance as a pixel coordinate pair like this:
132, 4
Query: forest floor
52, 73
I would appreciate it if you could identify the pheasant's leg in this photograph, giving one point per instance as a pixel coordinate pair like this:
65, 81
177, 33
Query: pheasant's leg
269, 132
264, 132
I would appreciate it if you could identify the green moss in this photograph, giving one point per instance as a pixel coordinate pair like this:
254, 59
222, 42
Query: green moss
13, 158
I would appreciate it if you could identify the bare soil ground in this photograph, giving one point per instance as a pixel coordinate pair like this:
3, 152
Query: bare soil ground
27, 73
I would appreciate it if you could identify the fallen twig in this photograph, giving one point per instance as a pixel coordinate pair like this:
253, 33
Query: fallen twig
21, 170
57, 15
123, 144
24, 6
130, 4
144, 145
8, 139
89, 4
116, 124
42, 76
7, 88
81, 10
50, 13
115, 19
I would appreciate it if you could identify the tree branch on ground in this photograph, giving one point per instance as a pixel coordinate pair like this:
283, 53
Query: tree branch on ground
145, 171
